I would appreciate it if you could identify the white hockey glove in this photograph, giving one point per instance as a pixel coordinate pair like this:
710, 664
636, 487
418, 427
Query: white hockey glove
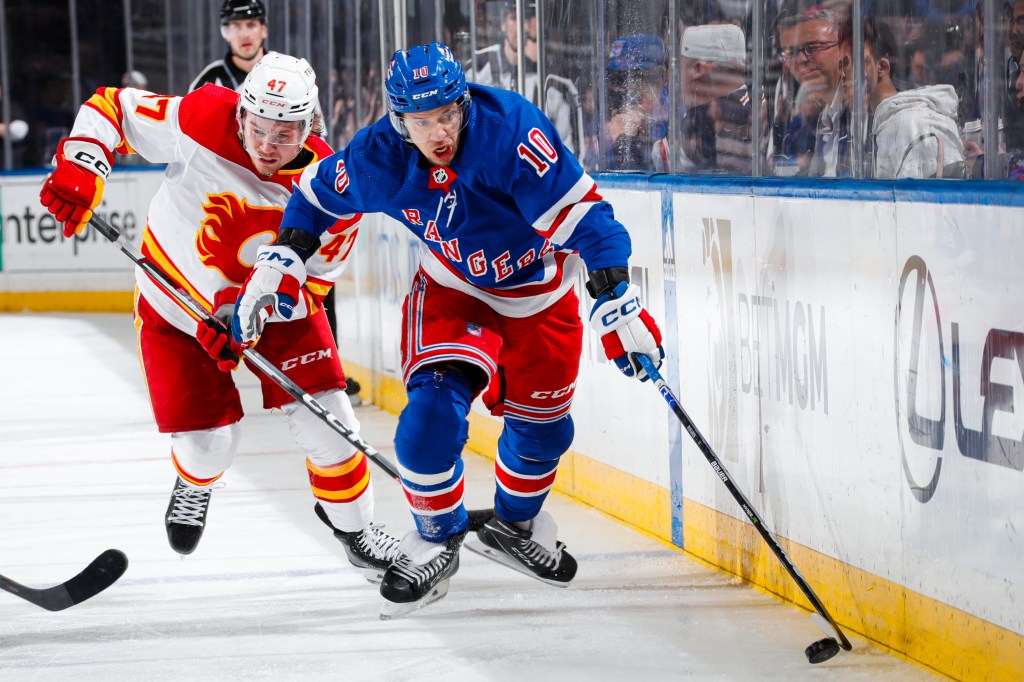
626, 328
273, 288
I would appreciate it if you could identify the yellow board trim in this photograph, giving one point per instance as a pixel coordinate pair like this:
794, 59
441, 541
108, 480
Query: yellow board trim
67, 301
923, 630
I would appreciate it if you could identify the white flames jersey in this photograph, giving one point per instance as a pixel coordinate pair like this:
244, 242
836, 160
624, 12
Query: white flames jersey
213, 210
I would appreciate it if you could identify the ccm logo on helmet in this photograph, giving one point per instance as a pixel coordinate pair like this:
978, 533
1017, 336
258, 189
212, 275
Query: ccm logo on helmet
428, 93
627, 309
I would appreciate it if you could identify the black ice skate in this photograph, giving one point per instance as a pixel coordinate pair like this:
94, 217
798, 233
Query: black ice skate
515, 547
421, 577
371, 550
186, 516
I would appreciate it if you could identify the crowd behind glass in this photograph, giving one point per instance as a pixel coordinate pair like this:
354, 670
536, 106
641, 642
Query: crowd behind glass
769, 88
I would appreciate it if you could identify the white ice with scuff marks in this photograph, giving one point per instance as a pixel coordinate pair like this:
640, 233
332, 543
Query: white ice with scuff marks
268, 595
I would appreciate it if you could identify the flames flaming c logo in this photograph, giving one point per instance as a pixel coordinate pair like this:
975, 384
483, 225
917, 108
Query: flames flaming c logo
231, 233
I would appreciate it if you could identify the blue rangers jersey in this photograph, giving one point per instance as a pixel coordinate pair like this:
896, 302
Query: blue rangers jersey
510, 222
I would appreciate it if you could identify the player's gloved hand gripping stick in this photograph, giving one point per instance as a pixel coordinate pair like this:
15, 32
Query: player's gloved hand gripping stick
76, 185
476, 517
626, 329
816, 652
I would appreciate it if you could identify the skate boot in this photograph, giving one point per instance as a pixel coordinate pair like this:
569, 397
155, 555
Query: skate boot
421, 577
478, 517
371, 550
186, 516
534, 551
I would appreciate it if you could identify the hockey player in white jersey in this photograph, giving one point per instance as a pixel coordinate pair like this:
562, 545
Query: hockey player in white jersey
231, 159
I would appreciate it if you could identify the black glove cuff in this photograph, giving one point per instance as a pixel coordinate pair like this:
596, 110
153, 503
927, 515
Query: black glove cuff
301, 242
605, 280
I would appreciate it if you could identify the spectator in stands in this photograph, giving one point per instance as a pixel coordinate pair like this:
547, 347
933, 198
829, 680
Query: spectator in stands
1012, 112
134, 79
497, 66
1015, 166
914, 133
828, 52
798, 142
716, 128
243, 25
636, 89
919, 74
806, 46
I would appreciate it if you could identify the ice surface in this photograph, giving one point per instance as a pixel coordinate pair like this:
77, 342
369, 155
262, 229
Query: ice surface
268, 595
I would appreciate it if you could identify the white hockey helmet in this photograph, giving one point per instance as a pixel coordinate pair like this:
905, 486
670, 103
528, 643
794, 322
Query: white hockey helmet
280, 88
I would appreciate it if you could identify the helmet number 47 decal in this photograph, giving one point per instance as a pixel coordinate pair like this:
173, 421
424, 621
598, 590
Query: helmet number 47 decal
540, 153
276, 85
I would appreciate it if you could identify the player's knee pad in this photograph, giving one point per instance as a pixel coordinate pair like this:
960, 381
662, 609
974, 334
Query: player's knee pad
202, 456
537, 442
321, 444
432, 429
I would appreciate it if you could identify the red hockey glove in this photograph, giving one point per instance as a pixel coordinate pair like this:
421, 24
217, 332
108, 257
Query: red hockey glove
215, 337
626, 328
272, 288
75, 187
217, 342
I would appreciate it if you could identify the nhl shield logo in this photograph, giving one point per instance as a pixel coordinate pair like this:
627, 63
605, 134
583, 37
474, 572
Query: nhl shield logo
441, 178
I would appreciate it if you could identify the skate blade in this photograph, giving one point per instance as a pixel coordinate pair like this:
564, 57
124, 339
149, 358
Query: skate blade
372, 575
477, 547
391, 610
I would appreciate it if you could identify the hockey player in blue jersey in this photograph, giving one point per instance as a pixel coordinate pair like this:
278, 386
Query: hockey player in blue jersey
508, 217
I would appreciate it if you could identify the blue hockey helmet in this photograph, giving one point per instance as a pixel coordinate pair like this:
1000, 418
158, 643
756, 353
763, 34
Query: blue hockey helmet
424, 78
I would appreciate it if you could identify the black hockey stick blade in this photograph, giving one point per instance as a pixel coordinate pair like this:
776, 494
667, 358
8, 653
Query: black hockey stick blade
96, 577
741, 499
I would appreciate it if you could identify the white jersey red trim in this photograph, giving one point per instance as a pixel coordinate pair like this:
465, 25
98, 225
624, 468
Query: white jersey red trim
214, 209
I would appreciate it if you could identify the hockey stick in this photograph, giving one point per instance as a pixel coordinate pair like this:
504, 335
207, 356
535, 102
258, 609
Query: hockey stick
94, 578
164, 281
819, 651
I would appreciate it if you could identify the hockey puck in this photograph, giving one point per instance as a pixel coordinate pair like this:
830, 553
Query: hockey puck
822, 650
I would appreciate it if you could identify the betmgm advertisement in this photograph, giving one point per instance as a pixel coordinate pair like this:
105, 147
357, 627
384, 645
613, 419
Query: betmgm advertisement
859, 367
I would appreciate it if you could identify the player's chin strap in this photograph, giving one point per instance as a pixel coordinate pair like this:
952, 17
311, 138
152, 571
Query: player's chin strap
255, 359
